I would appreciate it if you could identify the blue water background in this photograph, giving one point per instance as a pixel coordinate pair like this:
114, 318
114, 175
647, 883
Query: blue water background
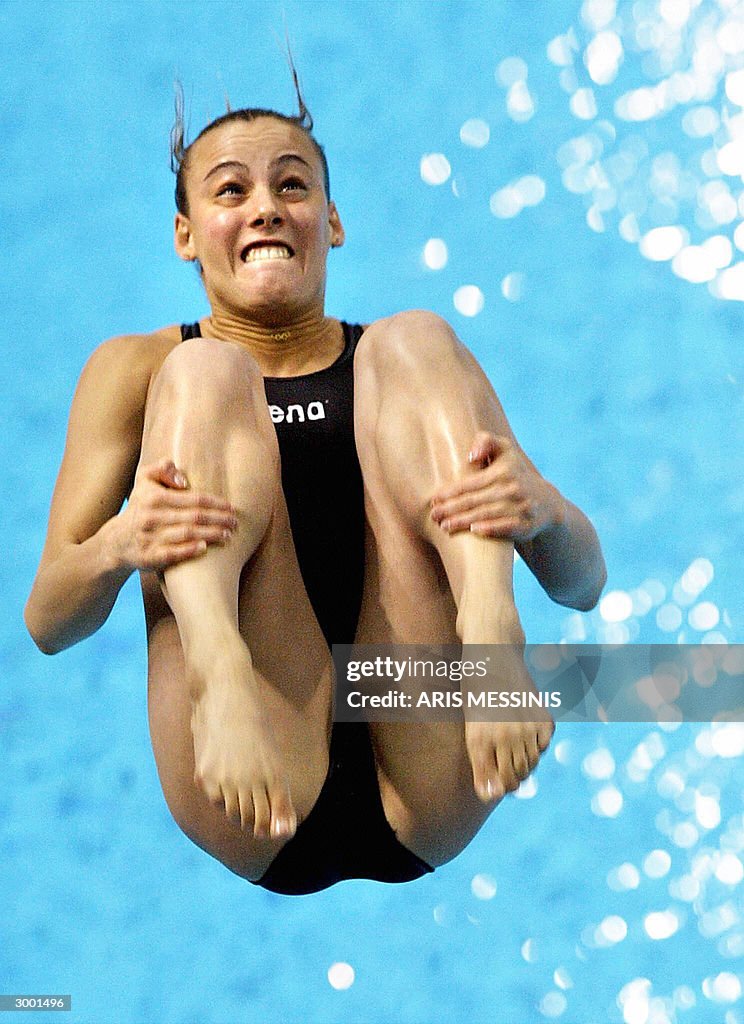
623, 383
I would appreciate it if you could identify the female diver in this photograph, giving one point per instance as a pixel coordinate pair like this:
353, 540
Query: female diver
283, 481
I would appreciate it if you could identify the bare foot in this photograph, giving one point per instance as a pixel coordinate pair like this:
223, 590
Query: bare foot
237, 763
503, 753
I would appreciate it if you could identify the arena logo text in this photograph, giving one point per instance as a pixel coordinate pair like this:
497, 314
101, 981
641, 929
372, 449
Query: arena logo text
314, 411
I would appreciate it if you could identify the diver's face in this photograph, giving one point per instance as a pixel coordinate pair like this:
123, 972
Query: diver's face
259, 222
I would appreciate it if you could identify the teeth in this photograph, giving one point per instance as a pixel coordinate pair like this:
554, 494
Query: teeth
267, 252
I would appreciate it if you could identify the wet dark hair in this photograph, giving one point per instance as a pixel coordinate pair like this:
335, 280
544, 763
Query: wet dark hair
180, 149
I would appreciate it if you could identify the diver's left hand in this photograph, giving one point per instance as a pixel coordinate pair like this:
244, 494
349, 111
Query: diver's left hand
505, 496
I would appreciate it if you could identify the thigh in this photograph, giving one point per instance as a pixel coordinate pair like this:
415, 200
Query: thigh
293, 668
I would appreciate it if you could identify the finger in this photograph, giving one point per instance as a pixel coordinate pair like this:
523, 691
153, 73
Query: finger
167, 473
261, 812
189, 532
478, 512
202, 520
466, 484
487, 495
176, 525
486, 447
164, 557
193, 500
209, 517
508, 528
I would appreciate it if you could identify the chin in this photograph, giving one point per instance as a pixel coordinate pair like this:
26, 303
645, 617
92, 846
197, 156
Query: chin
276, 306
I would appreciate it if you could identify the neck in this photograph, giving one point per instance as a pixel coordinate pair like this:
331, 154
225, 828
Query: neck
302, 345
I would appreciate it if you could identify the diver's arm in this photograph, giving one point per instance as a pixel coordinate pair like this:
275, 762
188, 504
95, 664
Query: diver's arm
566, 558
81, 571
507, 497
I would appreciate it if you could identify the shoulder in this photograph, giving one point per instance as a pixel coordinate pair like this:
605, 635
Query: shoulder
134, 358
133, 353
117, 375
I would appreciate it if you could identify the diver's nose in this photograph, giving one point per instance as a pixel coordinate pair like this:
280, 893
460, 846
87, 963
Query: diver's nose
266, 218
265, 212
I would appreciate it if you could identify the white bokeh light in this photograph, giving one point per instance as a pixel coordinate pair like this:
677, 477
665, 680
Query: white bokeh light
729, 869
663, 243
617, 606
475, 133
723, 988
435, 254
341, 976
735, 87
520, 104
730, 283
511, 70
657, 864
704, 616
661, 924
697, 576
435, 168
483, 887
669, 618
553, 1004
600, 764
612, 930
602, 57
468, 300
512, 287
623, 878
608, 802
583, 104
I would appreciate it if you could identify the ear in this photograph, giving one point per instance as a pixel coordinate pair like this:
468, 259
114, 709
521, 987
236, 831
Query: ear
182, 238
336, 234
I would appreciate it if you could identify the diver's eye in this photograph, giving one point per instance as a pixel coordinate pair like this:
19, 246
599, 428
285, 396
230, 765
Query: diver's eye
230, 188
293, 185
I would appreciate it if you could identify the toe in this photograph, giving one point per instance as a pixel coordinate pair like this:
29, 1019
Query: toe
283, 817
211, 789
261, 813
506, 773
544, 734
520, 763
232, 806
486, 780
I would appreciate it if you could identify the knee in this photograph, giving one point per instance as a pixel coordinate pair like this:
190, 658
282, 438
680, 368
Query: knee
411, 342
207, 366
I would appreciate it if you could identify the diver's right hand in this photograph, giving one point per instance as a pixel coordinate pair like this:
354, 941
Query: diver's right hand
165, 522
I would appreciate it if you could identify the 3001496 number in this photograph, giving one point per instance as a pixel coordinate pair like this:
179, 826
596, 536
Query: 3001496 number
37, 1002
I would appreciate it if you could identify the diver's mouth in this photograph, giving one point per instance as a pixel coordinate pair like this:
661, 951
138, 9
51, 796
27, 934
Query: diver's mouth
260, 251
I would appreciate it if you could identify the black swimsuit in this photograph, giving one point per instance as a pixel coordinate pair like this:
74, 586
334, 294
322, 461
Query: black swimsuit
346, 835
